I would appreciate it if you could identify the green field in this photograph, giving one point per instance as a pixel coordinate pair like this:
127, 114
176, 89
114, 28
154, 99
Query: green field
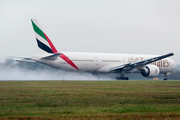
90, 100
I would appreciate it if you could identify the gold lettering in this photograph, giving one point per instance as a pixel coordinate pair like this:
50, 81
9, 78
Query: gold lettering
130, 58
141, 58
165, 63
159, 63
154, 63
136, 59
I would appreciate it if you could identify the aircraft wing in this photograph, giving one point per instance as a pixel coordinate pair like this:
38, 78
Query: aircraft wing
141, 62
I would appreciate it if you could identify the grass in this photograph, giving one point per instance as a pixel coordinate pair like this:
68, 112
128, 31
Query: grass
90, 100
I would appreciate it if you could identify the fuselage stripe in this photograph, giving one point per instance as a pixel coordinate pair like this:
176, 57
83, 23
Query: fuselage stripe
65, 58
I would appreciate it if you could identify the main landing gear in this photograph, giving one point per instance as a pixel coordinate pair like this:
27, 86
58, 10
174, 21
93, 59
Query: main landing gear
122, 77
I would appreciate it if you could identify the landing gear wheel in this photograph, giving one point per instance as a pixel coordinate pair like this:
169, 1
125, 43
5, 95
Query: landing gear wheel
118, 78
122, 78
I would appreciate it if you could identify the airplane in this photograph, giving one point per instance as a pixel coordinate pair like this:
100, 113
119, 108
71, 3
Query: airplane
147, 65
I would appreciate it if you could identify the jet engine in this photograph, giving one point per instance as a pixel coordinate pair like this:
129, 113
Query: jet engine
150, 71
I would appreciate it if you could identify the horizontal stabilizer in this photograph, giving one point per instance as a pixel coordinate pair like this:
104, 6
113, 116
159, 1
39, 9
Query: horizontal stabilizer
52, 57
32, 61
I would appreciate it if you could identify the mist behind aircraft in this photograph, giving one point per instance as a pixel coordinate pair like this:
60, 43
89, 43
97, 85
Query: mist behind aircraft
36, 71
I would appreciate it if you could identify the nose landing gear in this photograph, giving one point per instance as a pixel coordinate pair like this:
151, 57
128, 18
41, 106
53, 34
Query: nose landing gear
165, 76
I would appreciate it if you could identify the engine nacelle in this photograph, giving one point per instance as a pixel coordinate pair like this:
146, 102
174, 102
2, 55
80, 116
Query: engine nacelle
150, 71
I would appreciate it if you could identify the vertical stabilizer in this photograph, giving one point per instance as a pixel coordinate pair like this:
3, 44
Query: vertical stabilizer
44, 43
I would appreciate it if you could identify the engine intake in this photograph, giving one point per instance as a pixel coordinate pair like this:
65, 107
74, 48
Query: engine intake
150, 71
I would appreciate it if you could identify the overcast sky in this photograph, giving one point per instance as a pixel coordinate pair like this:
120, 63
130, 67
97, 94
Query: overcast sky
108, 26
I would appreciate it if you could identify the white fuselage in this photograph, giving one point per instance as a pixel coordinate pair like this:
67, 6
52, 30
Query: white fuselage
102, 62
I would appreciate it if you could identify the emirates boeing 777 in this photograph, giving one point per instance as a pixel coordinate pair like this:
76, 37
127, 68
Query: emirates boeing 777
147, 65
